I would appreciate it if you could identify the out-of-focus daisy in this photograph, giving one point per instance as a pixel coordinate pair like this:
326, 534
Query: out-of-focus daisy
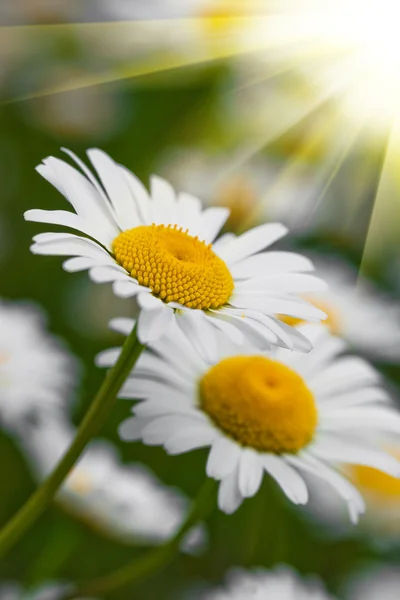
378, 583
36, 372
124, 501
255, 190
49, 591
382, 495
279, 412
260, 584
160, 247
357, 311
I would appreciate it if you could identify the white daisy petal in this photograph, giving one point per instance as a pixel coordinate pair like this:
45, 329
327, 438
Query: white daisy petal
196, 327
149, 302
164, 201
344, 488
131, 430
343, 451
192, 438
154, 323
116, 187
171, 402
250, 472
163, 428
251, 242
344, 373
128, 288
287, 283
265, 263
291, 483
122, 325
106, 274
189, 210
64, 244
78, 263
223, 458
271, 305
140, 195
73, 221
108, 358
331, 404
211, 223
229, 496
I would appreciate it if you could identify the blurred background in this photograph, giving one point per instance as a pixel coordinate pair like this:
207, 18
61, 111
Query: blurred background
283, 111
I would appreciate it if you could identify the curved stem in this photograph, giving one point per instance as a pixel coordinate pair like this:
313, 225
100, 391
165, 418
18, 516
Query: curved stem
153, 561
94, 419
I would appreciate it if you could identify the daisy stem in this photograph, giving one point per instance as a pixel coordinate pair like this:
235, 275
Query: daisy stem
155, 560
94, 419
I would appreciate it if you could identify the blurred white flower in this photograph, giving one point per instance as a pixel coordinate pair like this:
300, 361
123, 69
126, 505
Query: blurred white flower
82, 111
259, 584
357, 311
124, 501
254, 190
37, 374
162, 247
126, 10
49, 591
381, 493
378, 583
278, 413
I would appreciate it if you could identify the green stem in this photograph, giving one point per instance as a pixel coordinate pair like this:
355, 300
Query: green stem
153, 561
94, 419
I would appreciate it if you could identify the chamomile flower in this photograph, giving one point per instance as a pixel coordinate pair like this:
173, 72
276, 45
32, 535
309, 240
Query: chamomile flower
256, 190
126, 502
380, 582
161, 248
260, 584
382, 497
36, 373
357, 311
49, 591
276, 412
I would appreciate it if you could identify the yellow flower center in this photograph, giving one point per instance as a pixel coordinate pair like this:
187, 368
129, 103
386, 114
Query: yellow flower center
333, 321
80, 482
260, 403
174, 265
240, 197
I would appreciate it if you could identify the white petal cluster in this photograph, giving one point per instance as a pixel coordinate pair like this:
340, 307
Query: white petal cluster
353, 409
127, 502
36, 372
259, 584
49, 591
381, 581
266, 283
366, 318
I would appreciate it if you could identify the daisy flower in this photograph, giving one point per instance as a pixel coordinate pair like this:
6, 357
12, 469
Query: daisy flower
252, 191
357, 311
125, 501
259, 584
382, 496
161, 247
49, 591
379, 582
37, 374
275, 412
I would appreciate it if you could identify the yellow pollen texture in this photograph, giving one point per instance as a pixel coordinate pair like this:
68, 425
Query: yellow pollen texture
333, 321
260, 403
174, 265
